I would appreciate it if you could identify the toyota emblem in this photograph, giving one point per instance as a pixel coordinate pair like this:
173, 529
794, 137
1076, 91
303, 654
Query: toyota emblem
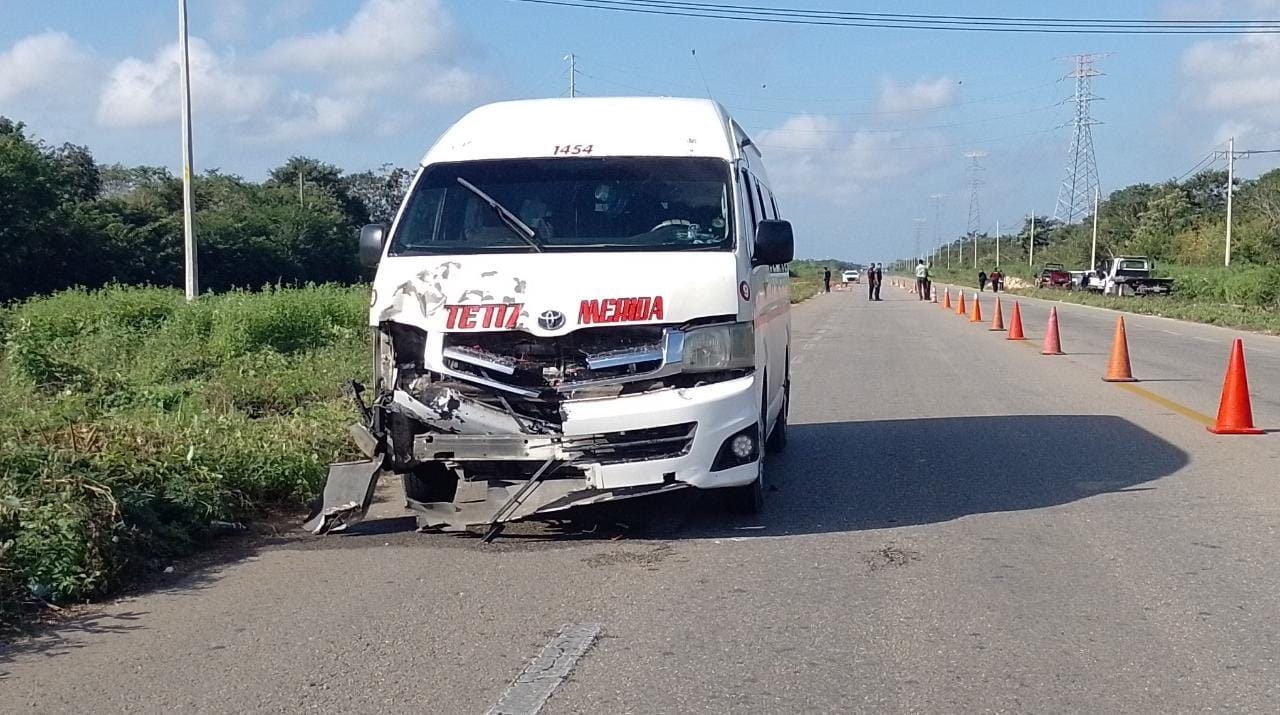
551, 320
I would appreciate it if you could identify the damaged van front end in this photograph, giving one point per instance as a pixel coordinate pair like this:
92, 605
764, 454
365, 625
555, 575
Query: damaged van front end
557, 325
488, 422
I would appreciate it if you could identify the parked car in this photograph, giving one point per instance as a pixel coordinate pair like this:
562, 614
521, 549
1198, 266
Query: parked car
1053, 275
850, 277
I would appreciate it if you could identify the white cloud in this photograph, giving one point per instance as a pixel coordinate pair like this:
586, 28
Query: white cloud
1236, 81
145, 92
387, 45
915, 97
41, 64
382, 33
813, 155
402, 53
306, 116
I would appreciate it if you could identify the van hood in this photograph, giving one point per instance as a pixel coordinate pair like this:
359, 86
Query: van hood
548, 294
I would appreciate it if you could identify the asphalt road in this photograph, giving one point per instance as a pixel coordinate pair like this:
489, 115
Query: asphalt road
960, 524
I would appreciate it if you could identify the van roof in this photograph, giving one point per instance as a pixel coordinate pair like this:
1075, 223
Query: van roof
610, 126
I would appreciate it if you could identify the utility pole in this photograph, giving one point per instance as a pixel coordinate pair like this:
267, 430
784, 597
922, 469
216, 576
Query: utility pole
573, 74
1093, 252
997, 243
190, 264
1081, 178
1031, 252
1231, 189
299, 185
937, 224
919, 223
1231, 155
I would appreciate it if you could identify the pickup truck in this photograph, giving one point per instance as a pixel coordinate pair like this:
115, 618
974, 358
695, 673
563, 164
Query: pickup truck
1053, 275
1128, 275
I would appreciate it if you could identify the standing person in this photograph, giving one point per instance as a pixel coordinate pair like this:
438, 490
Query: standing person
922, 280
826, 279
879, 278
997, 278
870, 274
982, 280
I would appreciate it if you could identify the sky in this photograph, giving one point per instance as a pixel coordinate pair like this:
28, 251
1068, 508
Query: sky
860, 128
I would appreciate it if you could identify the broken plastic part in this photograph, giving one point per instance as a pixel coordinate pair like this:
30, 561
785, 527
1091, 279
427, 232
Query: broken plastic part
348, 491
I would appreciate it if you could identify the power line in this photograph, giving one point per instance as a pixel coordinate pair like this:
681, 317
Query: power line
906, 21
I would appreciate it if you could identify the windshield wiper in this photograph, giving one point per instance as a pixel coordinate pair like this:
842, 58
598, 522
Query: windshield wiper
510, 220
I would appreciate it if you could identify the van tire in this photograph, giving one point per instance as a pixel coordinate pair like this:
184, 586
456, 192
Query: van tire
430, 482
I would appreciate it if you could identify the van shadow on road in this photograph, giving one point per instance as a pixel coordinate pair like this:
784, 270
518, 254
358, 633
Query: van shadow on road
850, 476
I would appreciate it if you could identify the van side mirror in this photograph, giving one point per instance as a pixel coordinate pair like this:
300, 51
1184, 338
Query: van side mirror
372, 239
775, 243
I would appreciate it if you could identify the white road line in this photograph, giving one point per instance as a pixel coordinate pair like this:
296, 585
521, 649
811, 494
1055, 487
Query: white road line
533, 687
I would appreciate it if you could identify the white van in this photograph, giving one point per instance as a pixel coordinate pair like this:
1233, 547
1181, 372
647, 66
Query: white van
580, 300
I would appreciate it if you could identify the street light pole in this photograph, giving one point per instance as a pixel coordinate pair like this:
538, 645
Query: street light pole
190, 264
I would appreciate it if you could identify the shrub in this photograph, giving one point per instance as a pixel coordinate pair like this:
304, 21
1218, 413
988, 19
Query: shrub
135, 419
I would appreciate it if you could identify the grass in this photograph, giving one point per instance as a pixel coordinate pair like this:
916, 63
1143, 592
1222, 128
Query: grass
134, 420
1242, 299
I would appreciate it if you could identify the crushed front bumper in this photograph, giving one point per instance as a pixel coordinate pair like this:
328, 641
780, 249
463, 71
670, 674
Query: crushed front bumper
605, 450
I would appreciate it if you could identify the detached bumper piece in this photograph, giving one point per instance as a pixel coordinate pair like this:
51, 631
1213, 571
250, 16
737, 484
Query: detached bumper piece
348, 492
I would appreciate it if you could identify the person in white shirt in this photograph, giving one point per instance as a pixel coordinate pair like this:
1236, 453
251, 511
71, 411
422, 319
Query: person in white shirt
922, 280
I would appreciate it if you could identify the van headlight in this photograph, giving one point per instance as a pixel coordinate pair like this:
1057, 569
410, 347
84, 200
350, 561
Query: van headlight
720, 347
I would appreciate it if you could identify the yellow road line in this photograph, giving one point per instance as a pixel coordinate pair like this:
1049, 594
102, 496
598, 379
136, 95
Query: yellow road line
1167, 403
1153, 397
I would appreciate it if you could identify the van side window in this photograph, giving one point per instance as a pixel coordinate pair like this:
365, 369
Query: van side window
764, 208
774, 202
751, 202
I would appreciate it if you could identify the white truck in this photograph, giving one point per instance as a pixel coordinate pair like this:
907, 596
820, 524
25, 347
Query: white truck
580, 300
1128, 275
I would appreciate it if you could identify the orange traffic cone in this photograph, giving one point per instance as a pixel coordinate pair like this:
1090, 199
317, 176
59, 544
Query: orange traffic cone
1015, 324
1235, 415
997, 322
976, 315
1119, 369
1052, 341
960, 305
946, 299
933, 295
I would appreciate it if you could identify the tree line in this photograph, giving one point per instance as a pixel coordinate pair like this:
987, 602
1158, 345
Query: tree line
1176, 222
66, 220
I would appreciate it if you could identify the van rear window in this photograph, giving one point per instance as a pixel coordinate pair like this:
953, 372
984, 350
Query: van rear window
570, 204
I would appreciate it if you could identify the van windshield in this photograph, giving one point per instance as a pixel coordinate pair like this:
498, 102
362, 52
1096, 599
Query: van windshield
571, 204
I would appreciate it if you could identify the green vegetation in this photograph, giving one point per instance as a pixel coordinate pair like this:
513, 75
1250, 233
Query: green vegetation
66, 221
135, 420
806, 276
1182, 226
